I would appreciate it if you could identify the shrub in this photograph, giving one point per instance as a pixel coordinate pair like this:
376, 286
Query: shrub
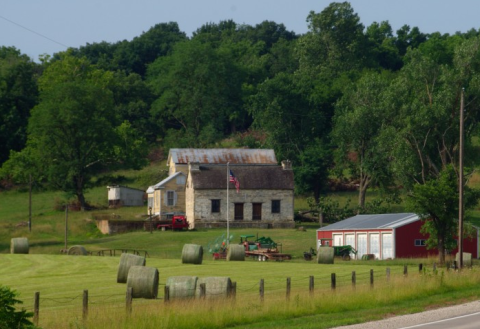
9, 316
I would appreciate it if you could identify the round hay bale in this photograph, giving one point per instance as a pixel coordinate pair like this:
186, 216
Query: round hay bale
192, 254
127, 261
182, 286
77, 251
325, 255
215, 287
143, 281
236, 252
19, 246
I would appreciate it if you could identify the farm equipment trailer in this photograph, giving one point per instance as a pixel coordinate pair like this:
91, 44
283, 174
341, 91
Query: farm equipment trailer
263, 249
176, 223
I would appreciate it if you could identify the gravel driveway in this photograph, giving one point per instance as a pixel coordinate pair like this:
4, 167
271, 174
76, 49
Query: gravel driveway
419, 318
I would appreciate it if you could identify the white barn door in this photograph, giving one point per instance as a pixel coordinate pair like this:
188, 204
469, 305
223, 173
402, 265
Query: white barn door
337, 239
350, 240
361, 245
375, 245
387, 245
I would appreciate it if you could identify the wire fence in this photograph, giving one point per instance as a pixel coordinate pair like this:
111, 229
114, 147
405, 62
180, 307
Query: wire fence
320, 283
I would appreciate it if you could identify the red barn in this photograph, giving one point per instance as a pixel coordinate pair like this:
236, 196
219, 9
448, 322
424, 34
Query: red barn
385, 236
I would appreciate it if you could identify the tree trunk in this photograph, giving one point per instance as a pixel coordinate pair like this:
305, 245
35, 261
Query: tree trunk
362, 193
441, 250
79, 193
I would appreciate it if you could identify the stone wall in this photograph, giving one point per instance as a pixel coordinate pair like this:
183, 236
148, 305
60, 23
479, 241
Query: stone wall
108, 226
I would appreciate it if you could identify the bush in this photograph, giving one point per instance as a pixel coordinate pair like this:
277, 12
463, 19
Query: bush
9, 317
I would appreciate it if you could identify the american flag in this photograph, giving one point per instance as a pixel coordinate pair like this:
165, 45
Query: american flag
235, 181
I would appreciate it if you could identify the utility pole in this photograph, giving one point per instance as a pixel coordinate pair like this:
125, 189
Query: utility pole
66, 227
460, 188
30, 203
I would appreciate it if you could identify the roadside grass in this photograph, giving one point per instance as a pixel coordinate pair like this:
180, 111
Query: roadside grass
61, 279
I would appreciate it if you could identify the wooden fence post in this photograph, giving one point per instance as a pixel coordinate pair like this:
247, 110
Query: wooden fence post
333, 280
434, 268
354, 279
85, 305
203, 290
128, 300
371, 278
405, 270
233, 291
166, 296
420, 268
36, 308
311, 285
289, 284
388, 274
262, 289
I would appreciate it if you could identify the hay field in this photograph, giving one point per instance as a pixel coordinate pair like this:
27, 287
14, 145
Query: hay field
61, 280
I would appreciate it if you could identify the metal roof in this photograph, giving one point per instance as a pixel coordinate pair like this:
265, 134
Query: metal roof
362, 222
222, 156
152, 188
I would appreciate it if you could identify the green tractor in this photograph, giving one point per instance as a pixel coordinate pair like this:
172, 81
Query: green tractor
344, 251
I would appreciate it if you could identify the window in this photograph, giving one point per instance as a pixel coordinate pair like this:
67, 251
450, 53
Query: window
256, 211
170, 198
420, 243
215, 206
181, 180
275, 206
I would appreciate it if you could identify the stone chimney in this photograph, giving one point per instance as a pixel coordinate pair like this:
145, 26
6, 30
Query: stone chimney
194, 167
287, 165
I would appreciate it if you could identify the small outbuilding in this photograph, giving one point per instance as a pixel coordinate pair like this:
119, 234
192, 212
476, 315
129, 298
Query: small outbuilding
386, 236
124, 196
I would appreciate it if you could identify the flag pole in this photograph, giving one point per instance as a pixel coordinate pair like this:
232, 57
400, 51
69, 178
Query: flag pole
228, 224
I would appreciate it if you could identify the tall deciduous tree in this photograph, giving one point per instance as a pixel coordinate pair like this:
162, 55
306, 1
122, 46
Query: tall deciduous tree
74, 125
18, 95
358, 133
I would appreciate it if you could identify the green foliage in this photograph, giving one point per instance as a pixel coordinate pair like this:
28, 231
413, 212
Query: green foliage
9, 316
18, 95
436, 202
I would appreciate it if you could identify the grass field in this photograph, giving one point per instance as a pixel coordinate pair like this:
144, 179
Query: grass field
61, 279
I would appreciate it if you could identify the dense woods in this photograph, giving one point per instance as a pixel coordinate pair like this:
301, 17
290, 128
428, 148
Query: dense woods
360, 103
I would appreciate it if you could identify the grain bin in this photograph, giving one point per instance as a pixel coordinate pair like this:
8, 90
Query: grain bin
215, 287
192, 254
19, 246
325, 255
236, 252
77, 251
143, 281
182, 286
127, 261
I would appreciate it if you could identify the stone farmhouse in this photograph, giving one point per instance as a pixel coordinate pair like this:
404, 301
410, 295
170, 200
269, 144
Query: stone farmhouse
197, 187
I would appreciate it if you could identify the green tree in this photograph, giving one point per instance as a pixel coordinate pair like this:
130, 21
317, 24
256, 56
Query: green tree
18, 95
358, 133
75, 125
199, 93
436, 202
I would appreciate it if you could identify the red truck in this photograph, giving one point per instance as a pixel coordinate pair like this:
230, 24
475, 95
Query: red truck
177, 223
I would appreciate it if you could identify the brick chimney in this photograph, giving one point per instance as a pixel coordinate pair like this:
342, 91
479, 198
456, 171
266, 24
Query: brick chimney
287, 165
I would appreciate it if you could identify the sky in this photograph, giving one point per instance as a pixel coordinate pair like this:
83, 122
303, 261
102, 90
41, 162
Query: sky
37, 27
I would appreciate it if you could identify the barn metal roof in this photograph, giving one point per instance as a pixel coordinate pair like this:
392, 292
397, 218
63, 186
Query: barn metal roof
362, 222
152, 188
222, 156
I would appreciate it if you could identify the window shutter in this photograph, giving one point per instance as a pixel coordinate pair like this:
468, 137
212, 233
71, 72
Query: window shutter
174, 198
